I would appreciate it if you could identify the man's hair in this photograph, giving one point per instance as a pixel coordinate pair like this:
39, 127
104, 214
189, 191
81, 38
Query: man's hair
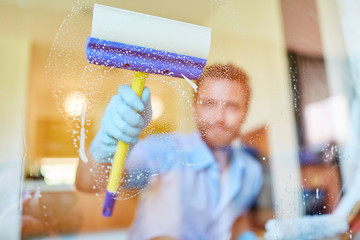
226, 72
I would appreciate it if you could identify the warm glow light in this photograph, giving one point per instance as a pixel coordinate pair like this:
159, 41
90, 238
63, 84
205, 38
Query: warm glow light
57, 171
157, 106
75, 104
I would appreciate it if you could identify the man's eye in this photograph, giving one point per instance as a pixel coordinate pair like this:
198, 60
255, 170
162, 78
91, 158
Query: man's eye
232, 106
208, 103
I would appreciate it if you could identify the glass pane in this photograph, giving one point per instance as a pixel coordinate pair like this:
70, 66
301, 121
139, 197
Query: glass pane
265, 143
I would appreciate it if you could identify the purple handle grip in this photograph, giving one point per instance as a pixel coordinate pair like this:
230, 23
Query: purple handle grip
109, 203
142, 59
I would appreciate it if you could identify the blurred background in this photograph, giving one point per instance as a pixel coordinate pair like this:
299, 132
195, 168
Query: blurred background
295, 52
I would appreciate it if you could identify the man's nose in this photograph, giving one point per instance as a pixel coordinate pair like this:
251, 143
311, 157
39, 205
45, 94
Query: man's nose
220, 114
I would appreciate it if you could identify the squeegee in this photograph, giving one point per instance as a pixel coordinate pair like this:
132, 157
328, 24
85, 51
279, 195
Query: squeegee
147, 45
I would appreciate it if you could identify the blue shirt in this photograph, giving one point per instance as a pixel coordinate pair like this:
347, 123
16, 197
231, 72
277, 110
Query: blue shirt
187, 197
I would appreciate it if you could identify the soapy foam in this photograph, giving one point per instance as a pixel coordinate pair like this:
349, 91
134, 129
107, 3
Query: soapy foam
193, 85
71, 73
307, 227
82, 137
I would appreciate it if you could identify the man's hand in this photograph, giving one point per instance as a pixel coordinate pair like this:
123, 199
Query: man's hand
163, 238
124, 119
248, 235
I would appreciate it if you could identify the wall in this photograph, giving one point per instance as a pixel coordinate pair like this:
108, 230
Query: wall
14, 67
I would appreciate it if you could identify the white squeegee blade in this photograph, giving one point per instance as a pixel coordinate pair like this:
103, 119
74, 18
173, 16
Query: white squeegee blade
150, 31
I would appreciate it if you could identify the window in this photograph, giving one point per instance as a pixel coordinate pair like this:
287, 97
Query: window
301, 128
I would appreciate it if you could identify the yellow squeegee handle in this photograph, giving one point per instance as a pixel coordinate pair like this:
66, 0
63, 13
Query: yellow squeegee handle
122, 149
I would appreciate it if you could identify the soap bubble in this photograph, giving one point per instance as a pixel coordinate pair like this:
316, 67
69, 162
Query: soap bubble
82, 91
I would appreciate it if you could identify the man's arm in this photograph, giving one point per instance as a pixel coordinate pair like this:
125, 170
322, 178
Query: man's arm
88, 173
125, 117
163, 238
242, 225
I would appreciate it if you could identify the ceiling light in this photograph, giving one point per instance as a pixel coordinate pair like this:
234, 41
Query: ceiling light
157, 106
75, 103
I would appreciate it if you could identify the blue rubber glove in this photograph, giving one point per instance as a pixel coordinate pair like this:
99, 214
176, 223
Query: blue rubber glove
124, 119
248, 235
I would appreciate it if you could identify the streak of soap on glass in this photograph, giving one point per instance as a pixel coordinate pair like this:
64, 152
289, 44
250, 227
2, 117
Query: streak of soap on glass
301, 127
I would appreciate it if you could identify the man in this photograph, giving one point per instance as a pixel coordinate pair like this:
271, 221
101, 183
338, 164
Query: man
198, 184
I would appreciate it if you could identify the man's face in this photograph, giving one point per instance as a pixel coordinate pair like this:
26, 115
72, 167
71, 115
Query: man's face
220, 110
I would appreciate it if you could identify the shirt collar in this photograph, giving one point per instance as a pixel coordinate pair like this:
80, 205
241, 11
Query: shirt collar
201, 155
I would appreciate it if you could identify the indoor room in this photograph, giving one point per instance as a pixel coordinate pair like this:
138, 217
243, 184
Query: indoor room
301, 127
